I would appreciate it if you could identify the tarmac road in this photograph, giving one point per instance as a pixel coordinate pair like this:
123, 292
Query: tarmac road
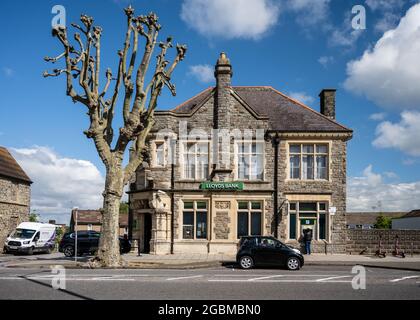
219, 283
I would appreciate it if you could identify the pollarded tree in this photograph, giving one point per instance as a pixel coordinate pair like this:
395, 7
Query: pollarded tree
138, 102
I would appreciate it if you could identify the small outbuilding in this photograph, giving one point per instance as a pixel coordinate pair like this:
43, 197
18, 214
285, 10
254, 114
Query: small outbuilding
409, 221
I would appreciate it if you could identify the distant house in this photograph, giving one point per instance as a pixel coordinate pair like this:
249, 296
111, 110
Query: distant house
15, 194
409, 221
92, 220
367, 220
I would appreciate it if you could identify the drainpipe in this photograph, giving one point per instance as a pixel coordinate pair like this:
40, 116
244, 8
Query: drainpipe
173, 144
130, 216
276, 142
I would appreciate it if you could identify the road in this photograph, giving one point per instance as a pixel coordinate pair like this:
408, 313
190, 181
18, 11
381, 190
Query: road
219, 283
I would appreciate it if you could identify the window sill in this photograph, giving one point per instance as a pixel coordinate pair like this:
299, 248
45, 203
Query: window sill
307, 180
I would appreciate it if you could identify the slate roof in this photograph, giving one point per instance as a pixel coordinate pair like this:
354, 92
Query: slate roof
412, 214
284, 113
95, 217
369, 217
10, 168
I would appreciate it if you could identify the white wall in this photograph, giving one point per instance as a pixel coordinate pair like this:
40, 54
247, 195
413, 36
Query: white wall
412, 223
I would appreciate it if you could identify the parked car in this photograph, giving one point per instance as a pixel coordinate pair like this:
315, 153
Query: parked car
31, 237
87, 243
267, 251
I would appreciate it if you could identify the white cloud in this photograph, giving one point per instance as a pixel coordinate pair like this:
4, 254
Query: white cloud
345, 35
384, 5
377, 116
403, 135
301, 97
388, 21
8, 72
325, 60
389, 12
60, 183
364, 193
389, 74
249, 19
309, 12
203, 72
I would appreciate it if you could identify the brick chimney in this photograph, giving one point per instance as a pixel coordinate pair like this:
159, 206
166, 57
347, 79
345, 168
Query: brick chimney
223, 74
327, 101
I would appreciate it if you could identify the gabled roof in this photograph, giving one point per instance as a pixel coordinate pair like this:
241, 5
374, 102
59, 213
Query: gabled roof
10, 168
412, 214
95, 217
284, 113
369, 217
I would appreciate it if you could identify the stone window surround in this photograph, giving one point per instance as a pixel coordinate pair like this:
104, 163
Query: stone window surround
154, 145
194, 211
182, 144
325, 142
236, 164
249, 210
309, 198
181, 147
211, 213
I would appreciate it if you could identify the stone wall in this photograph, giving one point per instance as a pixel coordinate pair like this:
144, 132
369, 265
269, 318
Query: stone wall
367, 241
14, 206
334, 188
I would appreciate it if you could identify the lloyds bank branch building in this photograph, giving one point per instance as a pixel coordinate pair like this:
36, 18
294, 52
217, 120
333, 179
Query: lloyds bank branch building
235, 161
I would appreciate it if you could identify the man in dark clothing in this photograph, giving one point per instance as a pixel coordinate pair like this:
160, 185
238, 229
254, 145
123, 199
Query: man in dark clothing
307, 238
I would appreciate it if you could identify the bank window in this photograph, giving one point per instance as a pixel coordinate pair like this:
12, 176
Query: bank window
194, 220
250, 160
160, 154
303, 215
308, 161
249, 218
196, 160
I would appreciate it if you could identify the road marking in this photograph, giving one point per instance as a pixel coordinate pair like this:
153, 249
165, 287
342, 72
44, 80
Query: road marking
282, 280
267, 277
332, 278
403, 278
181, 278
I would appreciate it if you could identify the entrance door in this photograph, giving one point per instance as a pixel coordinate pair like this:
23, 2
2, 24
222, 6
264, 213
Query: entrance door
147, 232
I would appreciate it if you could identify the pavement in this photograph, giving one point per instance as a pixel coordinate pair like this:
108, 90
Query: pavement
214, 283
191, 261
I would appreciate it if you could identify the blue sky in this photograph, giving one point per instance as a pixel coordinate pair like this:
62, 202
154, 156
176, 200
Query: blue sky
298, 47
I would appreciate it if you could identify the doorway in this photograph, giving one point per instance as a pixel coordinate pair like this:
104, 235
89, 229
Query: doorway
147, 232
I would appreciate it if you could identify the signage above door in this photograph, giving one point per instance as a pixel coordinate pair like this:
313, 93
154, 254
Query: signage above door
233, 186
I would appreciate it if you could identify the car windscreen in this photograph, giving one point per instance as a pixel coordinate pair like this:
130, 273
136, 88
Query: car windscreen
23, 233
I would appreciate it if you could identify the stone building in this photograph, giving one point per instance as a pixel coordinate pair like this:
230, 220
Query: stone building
91, 220
15, 194
235, 161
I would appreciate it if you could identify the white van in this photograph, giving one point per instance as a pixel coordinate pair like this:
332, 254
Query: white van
30, 237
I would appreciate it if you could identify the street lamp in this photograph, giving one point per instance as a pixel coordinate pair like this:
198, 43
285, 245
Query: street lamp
75, 209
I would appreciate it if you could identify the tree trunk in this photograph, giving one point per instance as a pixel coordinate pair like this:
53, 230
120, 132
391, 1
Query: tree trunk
109, 248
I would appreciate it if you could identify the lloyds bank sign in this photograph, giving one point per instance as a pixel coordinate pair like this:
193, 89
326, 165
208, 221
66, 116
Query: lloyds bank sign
233, 186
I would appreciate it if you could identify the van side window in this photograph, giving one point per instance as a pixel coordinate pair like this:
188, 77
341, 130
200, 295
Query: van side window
36, 238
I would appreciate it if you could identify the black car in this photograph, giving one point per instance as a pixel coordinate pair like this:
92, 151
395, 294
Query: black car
87, 243
267, 251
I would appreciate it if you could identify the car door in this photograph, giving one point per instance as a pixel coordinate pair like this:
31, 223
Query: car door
94, 241
265, 251
82, 242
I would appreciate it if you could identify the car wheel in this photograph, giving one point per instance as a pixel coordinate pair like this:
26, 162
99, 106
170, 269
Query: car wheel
31, 251
293, 263
68, 251
246, 262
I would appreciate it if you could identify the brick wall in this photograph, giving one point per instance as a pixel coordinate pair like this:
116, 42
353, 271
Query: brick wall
358, 240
